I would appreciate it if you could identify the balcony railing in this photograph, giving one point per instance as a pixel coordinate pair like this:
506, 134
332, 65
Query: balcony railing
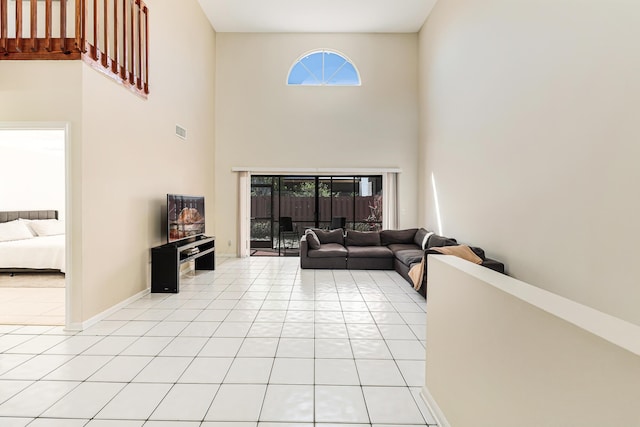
110, 35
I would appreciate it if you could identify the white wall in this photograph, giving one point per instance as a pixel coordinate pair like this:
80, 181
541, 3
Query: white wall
125, 156
33, 170
262, 122
502, 353
132, 157
529, 124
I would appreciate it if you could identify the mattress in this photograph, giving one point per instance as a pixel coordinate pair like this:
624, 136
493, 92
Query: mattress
44, 252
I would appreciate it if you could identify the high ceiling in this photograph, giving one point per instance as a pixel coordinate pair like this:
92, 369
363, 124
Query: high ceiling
325, 16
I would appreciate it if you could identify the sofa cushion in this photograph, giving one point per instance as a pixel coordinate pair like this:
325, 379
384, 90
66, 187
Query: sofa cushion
330, 236
362, 238
328, 250
369, 252
388, 237
409, 256
312, 239
437, 241
395, 247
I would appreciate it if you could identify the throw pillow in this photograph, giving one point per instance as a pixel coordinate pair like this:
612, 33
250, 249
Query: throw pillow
333, 236
388, 237
312, 240
14, 230
362, 238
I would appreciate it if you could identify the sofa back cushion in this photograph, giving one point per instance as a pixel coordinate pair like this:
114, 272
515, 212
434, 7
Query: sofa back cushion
419, 238
362, 238
312, 239
330, 236
439, 241
388, 237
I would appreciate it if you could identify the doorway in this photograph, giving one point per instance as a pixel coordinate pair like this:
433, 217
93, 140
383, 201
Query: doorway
310, 202
33, 291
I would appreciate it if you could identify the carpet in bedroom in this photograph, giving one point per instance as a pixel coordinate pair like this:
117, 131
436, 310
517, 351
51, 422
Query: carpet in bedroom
32, 280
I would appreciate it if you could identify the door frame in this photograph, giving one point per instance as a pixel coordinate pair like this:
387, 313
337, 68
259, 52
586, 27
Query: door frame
68, 197
389, 189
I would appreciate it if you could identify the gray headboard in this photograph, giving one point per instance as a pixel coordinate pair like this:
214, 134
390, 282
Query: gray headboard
6, 216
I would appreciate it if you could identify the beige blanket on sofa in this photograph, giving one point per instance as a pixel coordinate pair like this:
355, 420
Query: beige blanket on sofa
462, 251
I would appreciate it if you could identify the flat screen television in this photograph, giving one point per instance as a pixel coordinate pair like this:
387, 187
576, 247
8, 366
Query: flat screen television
185, 217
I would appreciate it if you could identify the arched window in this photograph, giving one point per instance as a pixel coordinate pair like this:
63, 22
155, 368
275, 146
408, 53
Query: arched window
323, 68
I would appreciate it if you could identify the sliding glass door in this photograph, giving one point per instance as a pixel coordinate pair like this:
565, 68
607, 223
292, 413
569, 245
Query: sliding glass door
312, 202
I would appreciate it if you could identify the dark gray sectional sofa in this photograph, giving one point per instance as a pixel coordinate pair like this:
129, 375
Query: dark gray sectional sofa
397, 250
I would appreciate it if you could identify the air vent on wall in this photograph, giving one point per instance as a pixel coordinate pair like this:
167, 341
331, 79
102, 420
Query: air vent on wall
181, 132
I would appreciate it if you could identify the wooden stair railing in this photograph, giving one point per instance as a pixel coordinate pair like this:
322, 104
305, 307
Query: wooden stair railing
110, 35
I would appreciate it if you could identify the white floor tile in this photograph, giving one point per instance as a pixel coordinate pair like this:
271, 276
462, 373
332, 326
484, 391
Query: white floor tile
58, 422
363, 331
84, 401
36, 367
379, 373
298, 330
289, 403
221, 347
186, 402
336, 372
110, 346
147, 346
295, 347
333, 349
249, 371
10, 361
33, 400
121, 369
184, 346
392, 405
79, 368
232, 329
265, 329
370, 349
292, 371
200, 329
258, 347
9, 388
206, 370
340, 404
331, 330
163, 370
413, 372
37, 344
135, 402
406, 349
225, 406
15, 422
114, 423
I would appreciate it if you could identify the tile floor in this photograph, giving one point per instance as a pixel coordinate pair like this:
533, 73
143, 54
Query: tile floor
256, 343
32, 306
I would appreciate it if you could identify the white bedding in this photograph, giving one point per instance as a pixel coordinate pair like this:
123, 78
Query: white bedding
39, 252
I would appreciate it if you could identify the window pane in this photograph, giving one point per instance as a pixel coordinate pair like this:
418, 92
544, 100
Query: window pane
313, 63
347, 75
300, 76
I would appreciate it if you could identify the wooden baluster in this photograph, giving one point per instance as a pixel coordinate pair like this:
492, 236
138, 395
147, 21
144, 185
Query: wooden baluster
132, 47
116, 59
3, 24
81, 20
146, 50
123, 66
139, 79
33, 24
63, 26
47, 25
105, 52
19, 25
94, 46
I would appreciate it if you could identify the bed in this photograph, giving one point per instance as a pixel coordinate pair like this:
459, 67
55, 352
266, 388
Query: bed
42, 251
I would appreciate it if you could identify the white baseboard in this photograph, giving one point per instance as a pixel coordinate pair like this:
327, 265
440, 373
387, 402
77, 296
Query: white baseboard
434, 408
77, 327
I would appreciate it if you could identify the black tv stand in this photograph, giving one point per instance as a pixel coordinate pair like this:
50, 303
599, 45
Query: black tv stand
166, 260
